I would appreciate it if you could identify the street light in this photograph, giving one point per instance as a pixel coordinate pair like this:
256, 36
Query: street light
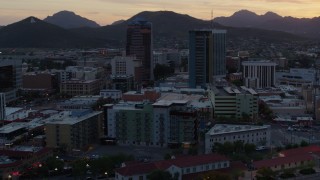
87, 165
40, 165
56, 169
9, 176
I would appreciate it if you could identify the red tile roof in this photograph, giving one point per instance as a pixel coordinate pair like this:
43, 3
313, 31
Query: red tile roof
301, 150
282, 160
186, 161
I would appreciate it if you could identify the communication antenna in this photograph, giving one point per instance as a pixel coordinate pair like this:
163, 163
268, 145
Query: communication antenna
211, 19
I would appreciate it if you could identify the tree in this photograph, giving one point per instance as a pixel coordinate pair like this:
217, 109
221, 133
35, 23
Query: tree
249, 148
167, 156
265, 174
53, 162
303, 143
238, 146
159, 175
162, 71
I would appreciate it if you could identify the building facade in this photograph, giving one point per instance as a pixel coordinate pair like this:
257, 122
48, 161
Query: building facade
74, 130
221, 133
130, 123
234, 102
259, 74
10, 77
80, 87
2, 106
139, 44
180, 168
207, 58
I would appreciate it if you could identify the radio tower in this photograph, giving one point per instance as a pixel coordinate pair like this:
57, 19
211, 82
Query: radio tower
211, 18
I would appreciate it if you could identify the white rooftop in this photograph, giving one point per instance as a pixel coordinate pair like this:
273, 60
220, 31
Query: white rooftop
66, 117
232, 128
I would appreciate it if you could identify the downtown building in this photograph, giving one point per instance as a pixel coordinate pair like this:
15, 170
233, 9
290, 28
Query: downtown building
173, 119
233, 102
139, 44
207, 56
259, 74
74, 129
2, 106
10, 77
253, 134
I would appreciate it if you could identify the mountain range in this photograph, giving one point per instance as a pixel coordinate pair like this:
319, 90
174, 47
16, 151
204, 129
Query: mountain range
168, 28
68, 20
35, 33
308, 27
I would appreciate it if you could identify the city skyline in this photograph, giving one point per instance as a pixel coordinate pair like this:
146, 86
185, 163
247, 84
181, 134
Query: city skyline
107, 11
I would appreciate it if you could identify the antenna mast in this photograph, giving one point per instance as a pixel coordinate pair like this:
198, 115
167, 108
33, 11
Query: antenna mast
211, 18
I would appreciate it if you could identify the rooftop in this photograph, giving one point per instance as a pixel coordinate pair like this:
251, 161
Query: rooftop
186, 161
11, 127
231, 128
299, 151
282, 160
71, 117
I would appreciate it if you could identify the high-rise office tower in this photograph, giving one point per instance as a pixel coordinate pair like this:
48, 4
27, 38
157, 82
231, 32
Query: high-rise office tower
10, 77
207, 57
2, 106
139, 43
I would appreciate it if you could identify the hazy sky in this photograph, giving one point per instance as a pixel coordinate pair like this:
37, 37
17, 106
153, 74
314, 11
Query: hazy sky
106, 11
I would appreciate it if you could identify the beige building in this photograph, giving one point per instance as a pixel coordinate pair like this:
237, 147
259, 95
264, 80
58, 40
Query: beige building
81, 87
74, 130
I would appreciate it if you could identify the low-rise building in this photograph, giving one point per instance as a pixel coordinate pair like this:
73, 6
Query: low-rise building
253, 134
111, 93
15, 160
80, 87
179, 167
74, 129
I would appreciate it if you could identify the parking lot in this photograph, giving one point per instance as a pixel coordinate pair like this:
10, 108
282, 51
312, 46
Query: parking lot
283, 135
139, 153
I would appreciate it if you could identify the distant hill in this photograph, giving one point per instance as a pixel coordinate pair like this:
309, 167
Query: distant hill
169, 29
68, 20
118, 22
272, 21
172, 26
35, 33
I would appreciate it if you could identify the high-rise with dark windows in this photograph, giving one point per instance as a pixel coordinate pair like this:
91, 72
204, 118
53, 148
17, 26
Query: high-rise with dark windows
207, 58
139, 44
10, 77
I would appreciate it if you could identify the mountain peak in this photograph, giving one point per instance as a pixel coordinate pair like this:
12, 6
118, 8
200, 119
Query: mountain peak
244, 12
272, 15
63, 13
69, 20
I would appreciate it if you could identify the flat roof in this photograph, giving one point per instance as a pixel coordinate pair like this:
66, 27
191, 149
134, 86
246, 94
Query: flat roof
66, 117
26, 148
233, 128
11, 110
11, 127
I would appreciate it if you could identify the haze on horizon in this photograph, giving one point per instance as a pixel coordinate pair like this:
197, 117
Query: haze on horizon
107, 11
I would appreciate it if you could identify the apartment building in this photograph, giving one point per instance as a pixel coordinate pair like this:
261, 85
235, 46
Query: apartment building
74, 129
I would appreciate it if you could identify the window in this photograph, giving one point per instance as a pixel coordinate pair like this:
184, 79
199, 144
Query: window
140, 177
194, 169
188, 170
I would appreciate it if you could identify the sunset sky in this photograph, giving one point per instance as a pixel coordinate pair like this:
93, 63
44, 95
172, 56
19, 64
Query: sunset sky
107, 11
